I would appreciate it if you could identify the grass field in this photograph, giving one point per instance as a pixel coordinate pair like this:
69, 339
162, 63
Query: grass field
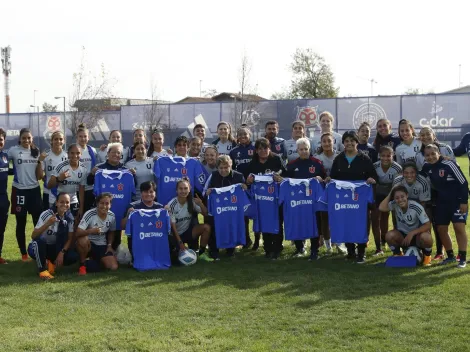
242, 304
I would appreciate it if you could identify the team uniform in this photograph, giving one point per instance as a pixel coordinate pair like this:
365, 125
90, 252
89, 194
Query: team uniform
290, 150
26, 193
337, 142
159, 154
327, 161
406, 153
98, 242
149, 230
49, 244
452, 190
276, 145
463, 147
143, 172
121, 185
89, 160
183, 219
102, 155
392, 140
348, 201
305, 168
224, 148
413, 218
228, 205
241, 156
70, 185
444, 149
48, 165
419, 191
385, 180
369, 150
4, 201
169, 170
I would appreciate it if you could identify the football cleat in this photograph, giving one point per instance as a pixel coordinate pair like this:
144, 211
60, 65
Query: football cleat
378, 252
50, 267
204, 257
82, 270
427, 260
24, 258
438, 257
45, 275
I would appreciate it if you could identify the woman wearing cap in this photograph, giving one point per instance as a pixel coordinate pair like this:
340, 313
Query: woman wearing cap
353, 165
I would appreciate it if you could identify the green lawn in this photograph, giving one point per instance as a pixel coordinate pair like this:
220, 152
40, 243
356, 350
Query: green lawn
241, 304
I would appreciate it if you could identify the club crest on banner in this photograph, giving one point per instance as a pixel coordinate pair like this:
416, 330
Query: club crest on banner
308, 115
368, 112
53, 124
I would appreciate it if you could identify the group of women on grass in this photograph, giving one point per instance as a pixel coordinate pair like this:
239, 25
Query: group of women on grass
406, 168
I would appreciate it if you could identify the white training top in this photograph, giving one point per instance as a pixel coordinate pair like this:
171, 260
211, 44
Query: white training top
91, 220
71, 184
143, 172
24, 167
406, 152
180, 215
86, 160
50, 163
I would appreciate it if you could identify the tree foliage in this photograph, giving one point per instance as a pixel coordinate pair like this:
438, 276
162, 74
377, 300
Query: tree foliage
312, 77
46, 107
88, 86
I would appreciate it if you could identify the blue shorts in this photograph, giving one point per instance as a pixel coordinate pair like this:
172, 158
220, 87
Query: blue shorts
447, 213
97, 252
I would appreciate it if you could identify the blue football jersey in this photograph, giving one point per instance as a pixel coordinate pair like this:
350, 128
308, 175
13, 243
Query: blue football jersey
347, 209
149, 230
265, 204
228, 205
299, 198
169, 170
121, 185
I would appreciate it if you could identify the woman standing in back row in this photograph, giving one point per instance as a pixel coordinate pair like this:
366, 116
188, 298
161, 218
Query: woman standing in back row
89, 160
410, 145
385, 136
25, 192
225, 141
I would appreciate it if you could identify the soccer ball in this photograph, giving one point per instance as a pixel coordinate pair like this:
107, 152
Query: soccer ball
414, 251
187, 257
123, 255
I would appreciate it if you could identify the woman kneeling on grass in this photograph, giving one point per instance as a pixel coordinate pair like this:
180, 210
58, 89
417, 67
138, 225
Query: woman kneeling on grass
95, 235
183, 210
52, 236
412, 224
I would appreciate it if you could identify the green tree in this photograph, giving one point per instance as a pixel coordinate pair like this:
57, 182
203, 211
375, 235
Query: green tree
312, 77
49, 107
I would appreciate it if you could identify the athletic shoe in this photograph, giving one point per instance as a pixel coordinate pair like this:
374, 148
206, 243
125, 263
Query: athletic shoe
82, 270
3, 261
378, 252
427, 260
438, 257
450, 260
24, 258
50, 267
360, 260
299, 253
275, 256
462, 264
45, 275
313, 256
204, 257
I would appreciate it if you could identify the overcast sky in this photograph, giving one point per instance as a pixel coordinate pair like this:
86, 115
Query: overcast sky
400, 44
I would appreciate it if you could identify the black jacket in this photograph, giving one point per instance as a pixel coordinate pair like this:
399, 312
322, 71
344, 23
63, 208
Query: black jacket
273, 164
217, 181
361, 168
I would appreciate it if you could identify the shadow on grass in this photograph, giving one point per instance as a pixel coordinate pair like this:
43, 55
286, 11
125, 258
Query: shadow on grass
314, 283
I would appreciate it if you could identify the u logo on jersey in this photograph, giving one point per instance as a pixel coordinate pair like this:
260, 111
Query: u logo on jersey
311, 169
159, 224
108, 224
355, 196
409, 217
184, 171
441, 172
390, 177
120, 187
271, 189
80, 175
234, 199
149, 166
416, 149
415, 191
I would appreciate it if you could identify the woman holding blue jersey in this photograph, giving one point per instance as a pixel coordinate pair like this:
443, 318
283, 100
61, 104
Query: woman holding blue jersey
89, 159
353, 165
451, 201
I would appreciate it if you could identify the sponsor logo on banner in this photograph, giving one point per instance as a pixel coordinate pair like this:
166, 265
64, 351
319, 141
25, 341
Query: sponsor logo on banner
436, 121
368, 112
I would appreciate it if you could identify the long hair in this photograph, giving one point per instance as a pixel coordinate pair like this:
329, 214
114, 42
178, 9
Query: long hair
320, 148
410, 125
34, 149
229, 126
151, 147
189, 198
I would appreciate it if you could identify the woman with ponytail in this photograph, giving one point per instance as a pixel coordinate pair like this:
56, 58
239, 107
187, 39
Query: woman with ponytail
25, 192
